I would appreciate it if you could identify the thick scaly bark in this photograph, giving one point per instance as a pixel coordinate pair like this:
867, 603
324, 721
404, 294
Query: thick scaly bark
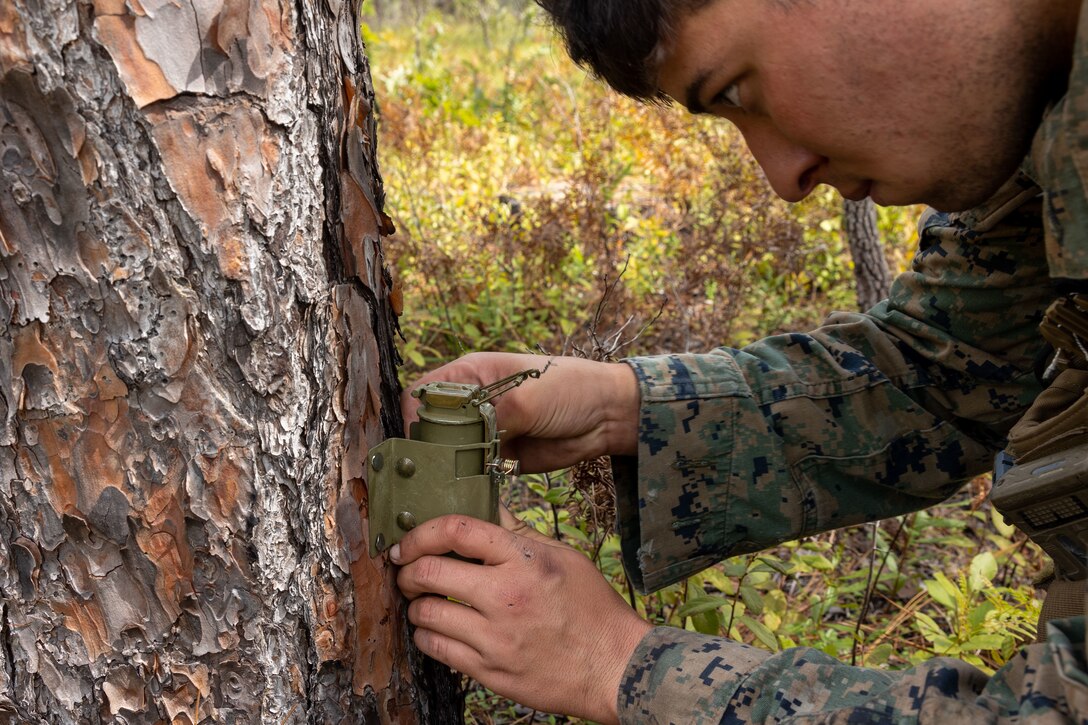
870, 268
196, 350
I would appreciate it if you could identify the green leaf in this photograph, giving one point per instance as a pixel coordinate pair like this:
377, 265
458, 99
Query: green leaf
777, 564
983, 570
752, 599
879, 655
707, 622
943, 591
557, 496
977, 616
772, 620
472, 332
775, 602
929, 628
735, 567
700, 604
717, 579
819, 562
573, 533
763, 634
984, 642
1002, 527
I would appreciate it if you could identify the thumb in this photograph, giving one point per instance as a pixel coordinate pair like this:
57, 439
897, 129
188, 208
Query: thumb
513, 524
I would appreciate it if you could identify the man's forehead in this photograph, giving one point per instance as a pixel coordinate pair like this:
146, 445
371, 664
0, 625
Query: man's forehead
696, 45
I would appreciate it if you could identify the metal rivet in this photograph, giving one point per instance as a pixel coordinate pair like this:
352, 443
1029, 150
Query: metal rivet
406, 467
406, 520
379, 542
376, 461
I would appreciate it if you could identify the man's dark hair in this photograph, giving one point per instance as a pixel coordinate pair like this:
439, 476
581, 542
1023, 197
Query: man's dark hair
617, 39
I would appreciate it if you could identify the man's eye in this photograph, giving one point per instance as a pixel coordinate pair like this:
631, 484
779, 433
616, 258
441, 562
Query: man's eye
728, 96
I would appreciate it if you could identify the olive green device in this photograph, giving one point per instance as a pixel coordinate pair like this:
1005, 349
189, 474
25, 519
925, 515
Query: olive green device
1047, 499
449, 464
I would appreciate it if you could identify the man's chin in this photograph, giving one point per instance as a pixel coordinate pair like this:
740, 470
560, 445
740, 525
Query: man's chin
941, 199
949, 197
884, 196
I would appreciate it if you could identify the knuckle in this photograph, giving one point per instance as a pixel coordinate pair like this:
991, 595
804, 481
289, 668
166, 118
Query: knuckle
431, 644
547, 564
423, 640
514, 599
507, 654
424, 611
413, 612
456, 528
540, 559
512, 653
440, 649
406, 582
428, 570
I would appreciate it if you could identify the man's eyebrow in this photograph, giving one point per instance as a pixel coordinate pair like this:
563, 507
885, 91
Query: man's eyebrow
692, 98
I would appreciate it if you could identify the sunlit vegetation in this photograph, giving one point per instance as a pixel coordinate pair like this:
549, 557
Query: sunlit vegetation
523, 191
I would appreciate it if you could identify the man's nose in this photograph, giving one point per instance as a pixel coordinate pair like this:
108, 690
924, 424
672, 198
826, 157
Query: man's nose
790, 168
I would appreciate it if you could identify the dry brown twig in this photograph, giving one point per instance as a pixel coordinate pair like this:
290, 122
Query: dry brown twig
593, 479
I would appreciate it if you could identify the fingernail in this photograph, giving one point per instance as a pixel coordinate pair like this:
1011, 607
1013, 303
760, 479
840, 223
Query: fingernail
394, 554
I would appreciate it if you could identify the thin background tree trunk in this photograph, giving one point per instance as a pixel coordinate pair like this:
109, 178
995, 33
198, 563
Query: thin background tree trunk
870, 267
196, 351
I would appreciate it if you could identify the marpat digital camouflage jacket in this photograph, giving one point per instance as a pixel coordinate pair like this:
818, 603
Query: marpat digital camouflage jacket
870, 416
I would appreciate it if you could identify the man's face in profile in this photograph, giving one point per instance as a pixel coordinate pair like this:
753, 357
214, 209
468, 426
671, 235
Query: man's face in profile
880, 98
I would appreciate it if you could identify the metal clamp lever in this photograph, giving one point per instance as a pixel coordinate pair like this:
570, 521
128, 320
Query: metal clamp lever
497, 388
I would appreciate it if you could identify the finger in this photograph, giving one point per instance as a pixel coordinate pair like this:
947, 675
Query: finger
454, 533
409, 408
512, 523
537, 455
450, 652
472, 369
445, 576
409, 404
451, 619
451, 373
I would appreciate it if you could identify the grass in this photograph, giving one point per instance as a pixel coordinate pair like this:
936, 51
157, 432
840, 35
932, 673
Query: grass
523, 191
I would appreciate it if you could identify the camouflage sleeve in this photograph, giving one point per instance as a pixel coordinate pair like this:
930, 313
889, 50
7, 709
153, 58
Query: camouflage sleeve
1059, 163
869, 416
682, 677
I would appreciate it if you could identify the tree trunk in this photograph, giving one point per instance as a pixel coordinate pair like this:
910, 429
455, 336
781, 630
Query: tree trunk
870, 268
196, 351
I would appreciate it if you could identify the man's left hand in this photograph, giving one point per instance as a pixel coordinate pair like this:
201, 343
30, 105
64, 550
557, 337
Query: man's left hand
533, 620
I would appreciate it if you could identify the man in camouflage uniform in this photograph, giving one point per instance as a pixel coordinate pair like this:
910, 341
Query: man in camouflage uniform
870, 416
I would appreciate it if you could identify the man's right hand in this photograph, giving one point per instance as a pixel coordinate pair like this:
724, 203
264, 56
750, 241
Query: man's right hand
577, 410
